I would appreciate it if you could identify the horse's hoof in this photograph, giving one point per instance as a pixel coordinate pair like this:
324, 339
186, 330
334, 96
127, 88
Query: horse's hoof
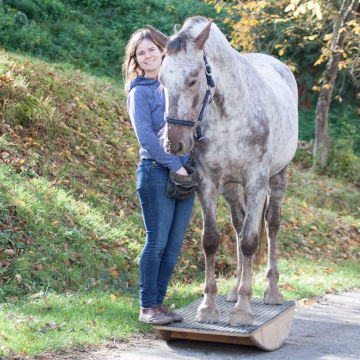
273, 298
209, 316
241, 318
232, 297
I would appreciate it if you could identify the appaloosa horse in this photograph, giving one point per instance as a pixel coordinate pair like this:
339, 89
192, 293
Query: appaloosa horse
248, 136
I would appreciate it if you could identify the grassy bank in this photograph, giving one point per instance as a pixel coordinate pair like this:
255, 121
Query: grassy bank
50, 322
71, 230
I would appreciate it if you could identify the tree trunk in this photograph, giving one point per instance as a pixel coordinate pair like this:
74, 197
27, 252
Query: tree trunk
322, 139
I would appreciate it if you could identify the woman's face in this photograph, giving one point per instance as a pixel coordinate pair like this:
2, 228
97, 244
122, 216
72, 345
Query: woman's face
148, 56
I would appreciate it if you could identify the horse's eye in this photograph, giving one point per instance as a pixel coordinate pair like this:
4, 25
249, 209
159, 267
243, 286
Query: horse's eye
192, 82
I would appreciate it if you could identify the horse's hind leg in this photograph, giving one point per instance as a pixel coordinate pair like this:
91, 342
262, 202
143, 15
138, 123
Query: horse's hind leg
256, 191
272, 293
207, 311
233, 196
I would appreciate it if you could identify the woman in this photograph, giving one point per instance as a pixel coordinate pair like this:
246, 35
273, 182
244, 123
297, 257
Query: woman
165, 218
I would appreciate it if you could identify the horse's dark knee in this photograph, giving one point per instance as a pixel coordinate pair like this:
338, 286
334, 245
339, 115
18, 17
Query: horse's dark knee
249, 244
237, 219
272, 273
210, 242
273, 217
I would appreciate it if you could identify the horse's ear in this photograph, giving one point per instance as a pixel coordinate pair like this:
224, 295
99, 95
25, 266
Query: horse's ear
160, 38
203, 36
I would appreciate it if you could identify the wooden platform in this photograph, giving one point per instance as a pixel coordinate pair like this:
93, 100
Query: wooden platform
269, 331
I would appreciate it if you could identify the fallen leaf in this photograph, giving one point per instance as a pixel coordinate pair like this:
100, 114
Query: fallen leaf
113, 270
53, 325
10, 252
306, 302
287, 287
36, 295
19, 202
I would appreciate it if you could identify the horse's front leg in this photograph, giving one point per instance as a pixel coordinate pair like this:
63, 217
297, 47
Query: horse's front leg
233, 196
256, 191
207, 311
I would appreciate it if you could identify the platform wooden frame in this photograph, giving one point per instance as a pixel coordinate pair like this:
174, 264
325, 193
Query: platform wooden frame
271, 326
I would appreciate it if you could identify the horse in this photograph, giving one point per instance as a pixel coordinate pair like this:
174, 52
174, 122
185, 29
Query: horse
248, 136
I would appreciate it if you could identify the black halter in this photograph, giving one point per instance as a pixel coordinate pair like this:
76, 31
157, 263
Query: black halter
210, 84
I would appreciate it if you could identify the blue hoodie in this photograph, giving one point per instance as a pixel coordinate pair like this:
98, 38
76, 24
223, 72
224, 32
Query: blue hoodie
146, 108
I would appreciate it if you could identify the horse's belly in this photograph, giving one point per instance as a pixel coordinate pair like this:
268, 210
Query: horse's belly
284, 139
282, 157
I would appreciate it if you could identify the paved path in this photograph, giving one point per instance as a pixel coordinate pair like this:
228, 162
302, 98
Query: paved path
327, 330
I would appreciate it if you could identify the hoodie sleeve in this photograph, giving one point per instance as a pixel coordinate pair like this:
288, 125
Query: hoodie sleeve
140, 115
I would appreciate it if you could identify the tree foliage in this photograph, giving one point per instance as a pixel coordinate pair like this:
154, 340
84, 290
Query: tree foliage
89, 34
336, 52
299, 32
319, 41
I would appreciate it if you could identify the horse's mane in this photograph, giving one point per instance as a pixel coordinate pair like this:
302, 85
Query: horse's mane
190, 29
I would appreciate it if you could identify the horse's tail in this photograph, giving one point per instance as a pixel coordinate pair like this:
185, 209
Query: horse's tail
260, 257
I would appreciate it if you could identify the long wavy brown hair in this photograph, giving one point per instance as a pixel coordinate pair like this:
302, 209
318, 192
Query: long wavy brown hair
130, 67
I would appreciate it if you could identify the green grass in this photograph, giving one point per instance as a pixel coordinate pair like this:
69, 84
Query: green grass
299, 279
45, 322
52, 219
50, 322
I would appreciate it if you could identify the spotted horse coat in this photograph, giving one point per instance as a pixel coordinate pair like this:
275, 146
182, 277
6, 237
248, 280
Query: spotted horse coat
250, 131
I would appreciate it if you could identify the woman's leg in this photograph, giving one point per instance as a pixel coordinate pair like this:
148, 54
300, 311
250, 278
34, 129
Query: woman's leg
157, 211
180, 221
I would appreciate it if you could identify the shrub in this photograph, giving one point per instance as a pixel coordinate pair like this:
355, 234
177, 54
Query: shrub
343, 163
90, 34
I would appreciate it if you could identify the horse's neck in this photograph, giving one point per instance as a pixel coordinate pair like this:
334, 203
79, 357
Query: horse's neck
228, 73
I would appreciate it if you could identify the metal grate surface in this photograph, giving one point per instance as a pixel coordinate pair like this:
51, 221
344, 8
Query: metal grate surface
262, 314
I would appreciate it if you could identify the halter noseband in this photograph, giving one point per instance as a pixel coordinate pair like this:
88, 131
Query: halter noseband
210, 84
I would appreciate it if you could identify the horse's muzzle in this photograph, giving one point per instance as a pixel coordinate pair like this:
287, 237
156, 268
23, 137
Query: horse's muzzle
179, 147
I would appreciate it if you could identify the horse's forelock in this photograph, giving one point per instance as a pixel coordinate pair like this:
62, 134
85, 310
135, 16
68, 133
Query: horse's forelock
179, 40
177, 43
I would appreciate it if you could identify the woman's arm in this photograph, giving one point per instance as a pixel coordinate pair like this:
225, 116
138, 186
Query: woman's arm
140, 116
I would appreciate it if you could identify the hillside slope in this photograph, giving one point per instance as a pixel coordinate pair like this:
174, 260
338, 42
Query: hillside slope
69, 216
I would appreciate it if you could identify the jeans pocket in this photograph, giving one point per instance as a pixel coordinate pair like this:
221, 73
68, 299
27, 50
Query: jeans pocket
140, 171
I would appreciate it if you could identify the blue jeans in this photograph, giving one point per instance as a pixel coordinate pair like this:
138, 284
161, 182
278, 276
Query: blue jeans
165, 221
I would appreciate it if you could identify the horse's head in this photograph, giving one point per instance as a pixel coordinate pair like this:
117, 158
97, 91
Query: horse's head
183, 77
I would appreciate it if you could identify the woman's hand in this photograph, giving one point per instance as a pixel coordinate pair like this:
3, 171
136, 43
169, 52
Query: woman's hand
182, 171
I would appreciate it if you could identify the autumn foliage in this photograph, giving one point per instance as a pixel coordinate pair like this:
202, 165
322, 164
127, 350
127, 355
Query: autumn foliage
300, 33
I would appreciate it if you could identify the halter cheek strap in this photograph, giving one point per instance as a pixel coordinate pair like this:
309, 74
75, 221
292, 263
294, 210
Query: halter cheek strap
210, 84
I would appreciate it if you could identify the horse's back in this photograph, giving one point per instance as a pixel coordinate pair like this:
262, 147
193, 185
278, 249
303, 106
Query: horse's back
272, 71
